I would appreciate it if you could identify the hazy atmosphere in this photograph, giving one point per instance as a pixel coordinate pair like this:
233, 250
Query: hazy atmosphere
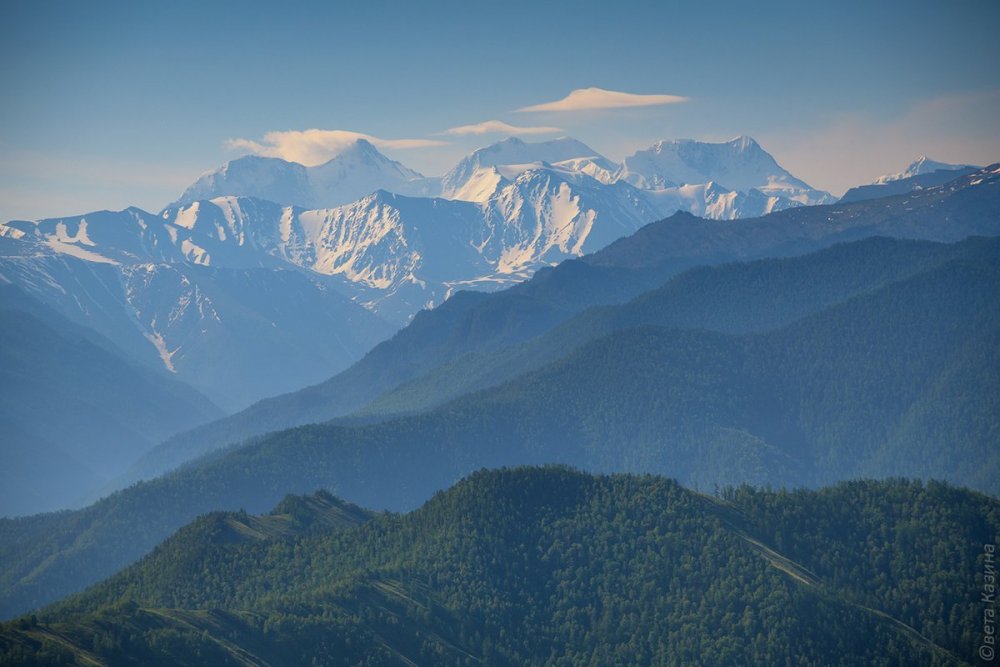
497, 334
114, 104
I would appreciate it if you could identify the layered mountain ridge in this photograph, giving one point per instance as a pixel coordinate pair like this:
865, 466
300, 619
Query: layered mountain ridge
245, 298
477, 323
702, 380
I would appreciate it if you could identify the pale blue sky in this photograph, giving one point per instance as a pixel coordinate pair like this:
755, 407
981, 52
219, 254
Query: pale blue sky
108, 104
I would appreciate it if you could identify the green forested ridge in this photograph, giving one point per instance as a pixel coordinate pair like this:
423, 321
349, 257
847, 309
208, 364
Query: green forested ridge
732, 298
840, 394
478, 323
553, 566
912, 550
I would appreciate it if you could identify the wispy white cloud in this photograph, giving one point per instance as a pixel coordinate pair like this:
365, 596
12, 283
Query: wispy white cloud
499, 127
589, 99
312, 147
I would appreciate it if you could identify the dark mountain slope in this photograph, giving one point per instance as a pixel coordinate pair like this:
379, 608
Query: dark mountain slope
74, 411
732, 298
905, 185
235, 334
551, 566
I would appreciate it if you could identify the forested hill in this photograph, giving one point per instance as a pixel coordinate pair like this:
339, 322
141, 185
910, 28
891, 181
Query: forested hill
554, 567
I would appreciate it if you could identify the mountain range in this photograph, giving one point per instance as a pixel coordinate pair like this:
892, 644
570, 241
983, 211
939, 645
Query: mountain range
736, 166
241, 299
543, 322
243, 275
151, 283
503, 211
607, 334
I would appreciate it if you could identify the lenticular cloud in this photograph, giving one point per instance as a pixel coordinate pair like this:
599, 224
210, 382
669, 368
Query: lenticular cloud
586, 99
313, 147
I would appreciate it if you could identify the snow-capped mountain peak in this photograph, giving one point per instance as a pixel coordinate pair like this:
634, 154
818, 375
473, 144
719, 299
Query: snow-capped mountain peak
357, 170
922, 165
252, 176
363, 154
597, 167
739, 164
743, 144
505, 210
514, 151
